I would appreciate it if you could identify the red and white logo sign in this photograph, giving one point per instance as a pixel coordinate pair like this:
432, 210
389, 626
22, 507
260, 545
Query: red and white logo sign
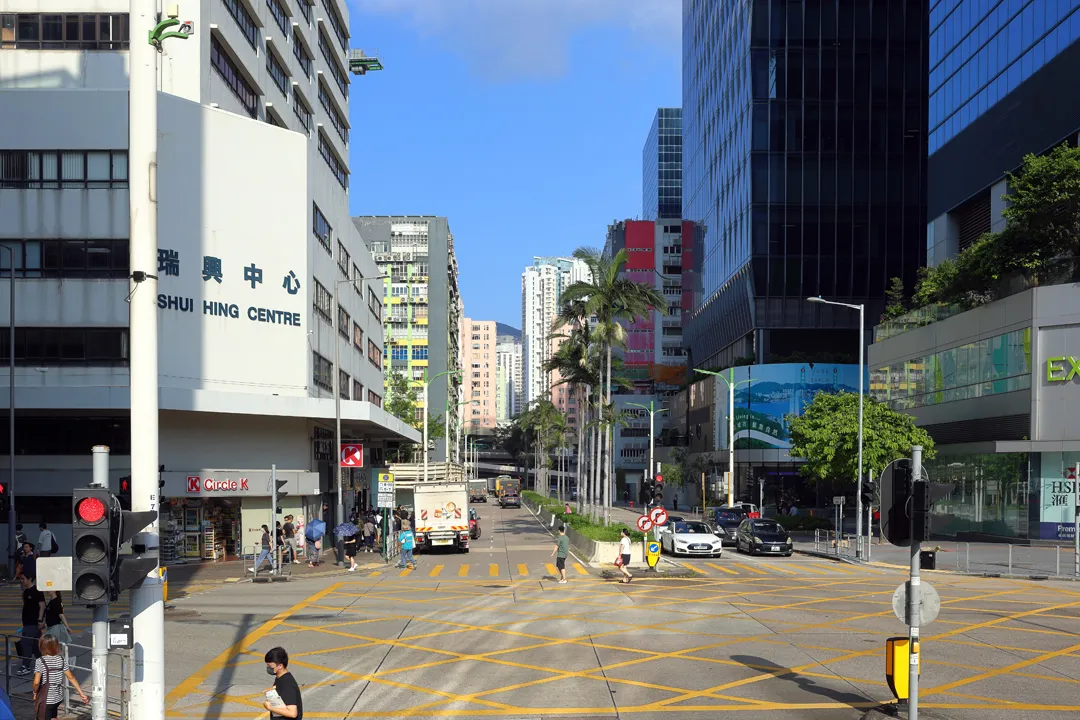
658, 516
352, 455
196, 484
644, 524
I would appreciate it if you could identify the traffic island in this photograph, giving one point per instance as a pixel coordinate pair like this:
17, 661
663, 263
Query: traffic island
665, 569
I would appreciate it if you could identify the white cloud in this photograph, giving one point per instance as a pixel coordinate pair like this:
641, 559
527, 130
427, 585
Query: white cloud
503, 39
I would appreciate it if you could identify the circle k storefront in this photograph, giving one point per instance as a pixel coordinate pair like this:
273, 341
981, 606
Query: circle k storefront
219, 514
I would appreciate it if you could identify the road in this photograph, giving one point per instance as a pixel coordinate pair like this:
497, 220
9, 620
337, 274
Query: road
489, 634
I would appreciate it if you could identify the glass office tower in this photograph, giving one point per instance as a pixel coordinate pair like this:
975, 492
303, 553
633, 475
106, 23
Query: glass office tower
1001, 79
804, 154
661, 167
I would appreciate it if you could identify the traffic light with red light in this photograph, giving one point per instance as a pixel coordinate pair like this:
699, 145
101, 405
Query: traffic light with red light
91, 542
124, 496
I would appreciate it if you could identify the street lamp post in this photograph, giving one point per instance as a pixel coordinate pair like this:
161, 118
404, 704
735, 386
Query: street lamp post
652, 410
731, 385
11, 412
339, 513
425, 383
858, 480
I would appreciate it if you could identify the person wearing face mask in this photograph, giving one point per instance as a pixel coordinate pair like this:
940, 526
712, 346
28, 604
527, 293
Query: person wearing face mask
285, 700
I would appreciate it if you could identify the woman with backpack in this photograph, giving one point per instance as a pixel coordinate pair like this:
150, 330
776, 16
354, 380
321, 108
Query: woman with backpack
49, 673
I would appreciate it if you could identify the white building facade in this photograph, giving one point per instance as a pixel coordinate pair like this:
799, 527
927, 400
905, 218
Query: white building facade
541, 285
509, 379
254, 239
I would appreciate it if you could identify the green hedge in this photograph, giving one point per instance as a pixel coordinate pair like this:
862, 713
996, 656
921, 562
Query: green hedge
581, 523
803, 522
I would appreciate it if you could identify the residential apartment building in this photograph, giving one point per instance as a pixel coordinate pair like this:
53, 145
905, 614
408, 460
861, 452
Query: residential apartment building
479, 343
541, 285
254, 240
804, 158
423, 305
563, 395
508, 377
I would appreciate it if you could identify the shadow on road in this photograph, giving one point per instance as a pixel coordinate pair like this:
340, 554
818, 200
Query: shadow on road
804, 683
225, 681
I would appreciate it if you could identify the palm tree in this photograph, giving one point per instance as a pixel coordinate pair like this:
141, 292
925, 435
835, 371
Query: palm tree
572, 362
538, 421
612, 300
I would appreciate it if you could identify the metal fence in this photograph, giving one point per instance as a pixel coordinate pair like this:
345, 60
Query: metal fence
1038, 561
20, 688
251, 554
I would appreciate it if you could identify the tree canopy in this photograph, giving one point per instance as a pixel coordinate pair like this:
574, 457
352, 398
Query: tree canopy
826, 435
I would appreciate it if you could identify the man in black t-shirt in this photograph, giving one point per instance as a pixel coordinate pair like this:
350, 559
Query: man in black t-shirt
289, 531
277, 664
33, 620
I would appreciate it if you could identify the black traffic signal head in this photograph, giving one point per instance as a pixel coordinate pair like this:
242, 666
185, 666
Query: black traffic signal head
895, 502
867, 491
92, 545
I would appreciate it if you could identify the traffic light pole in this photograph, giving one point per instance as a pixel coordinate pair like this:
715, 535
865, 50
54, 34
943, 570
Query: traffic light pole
99, 654
147, 605
278, 555
914, 600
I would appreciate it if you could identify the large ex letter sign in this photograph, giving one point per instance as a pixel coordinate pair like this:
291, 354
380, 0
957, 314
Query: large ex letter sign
1057, 372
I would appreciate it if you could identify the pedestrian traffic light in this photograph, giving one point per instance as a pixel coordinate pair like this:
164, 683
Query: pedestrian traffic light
4, 499
280, 494
896, 489
867, 491
923, 497
124, 496
91, 542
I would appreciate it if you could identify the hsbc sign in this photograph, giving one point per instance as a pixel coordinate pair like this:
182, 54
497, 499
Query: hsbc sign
195, 484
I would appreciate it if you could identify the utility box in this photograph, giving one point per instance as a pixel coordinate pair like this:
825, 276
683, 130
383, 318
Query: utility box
928, 559
54, 574
120, 634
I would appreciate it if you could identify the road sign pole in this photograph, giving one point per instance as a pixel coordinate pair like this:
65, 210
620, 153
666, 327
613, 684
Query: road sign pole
99, 654
273, 524
914, 599
1076, 522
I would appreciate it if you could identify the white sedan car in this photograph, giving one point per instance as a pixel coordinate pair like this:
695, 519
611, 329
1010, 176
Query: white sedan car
691, 537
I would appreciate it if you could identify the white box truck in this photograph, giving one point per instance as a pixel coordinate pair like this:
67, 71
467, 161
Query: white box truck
442, 515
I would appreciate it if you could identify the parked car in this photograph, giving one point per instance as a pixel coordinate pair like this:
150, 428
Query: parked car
762, 537
690, 537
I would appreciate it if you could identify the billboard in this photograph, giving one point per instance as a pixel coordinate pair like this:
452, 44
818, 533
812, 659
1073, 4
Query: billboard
766, 394
1057, 495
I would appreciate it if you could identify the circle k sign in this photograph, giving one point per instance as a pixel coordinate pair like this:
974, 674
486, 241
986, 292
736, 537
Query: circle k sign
352, 455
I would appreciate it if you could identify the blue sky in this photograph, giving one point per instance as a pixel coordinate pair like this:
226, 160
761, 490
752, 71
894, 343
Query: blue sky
522, 121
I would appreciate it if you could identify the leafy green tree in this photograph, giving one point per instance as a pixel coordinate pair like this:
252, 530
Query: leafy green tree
895, 300
401, 398
685, 467
826, 435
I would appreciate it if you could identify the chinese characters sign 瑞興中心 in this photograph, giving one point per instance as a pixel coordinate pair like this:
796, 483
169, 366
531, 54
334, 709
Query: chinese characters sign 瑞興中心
214, 269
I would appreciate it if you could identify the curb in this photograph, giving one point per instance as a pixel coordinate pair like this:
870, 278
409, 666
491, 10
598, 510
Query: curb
1038, 577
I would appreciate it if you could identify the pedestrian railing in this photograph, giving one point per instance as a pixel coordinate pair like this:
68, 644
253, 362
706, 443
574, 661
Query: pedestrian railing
1007, 559
20, 688
252, 554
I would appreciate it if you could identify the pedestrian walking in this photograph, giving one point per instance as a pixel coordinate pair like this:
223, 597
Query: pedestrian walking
560, 553
369, 534
47, 546
407, 540
624, 556
56, 623
288, 530
283, 699
350, 551
29, 560
49, 673
33, 622
267, 552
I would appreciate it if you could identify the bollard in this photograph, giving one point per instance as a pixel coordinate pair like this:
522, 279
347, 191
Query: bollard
1057, 560
967, 557
1010, 559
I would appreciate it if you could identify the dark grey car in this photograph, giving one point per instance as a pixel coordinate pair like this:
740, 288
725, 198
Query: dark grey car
762, 537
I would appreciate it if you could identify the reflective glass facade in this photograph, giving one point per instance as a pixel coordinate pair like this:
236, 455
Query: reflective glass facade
981, 50
991, 495
805, 159
661, 167
986, 367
